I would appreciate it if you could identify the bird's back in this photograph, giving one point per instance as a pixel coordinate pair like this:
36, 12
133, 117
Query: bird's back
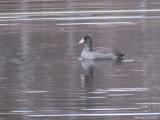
102, 53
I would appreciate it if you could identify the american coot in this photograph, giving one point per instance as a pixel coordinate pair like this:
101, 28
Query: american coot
98, 53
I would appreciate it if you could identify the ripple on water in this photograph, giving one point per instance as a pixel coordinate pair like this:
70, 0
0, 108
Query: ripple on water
105, 114
22, 111
72, 12
34, 91
124, 89
81, 18
116, 95
98, 23
108, 109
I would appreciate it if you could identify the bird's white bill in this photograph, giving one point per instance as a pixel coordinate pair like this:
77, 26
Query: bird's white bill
82, 41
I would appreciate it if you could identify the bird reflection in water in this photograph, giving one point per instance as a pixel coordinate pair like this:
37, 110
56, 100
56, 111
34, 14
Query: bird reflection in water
90, 65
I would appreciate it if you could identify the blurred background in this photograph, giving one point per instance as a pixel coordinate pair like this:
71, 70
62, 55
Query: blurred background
41, 76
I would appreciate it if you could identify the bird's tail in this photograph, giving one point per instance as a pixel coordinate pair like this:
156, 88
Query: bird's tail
121, 57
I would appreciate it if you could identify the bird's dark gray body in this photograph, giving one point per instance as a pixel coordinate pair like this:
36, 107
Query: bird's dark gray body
98, 53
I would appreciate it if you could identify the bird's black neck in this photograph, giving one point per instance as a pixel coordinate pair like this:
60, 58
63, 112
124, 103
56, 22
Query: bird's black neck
88, 48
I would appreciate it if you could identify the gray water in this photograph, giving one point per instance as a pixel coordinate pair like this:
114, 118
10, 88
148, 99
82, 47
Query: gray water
41, 76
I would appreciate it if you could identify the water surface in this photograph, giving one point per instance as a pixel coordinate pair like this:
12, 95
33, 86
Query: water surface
41, 76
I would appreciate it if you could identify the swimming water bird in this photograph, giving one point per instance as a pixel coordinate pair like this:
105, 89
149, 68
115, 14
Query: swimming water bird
98, 53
